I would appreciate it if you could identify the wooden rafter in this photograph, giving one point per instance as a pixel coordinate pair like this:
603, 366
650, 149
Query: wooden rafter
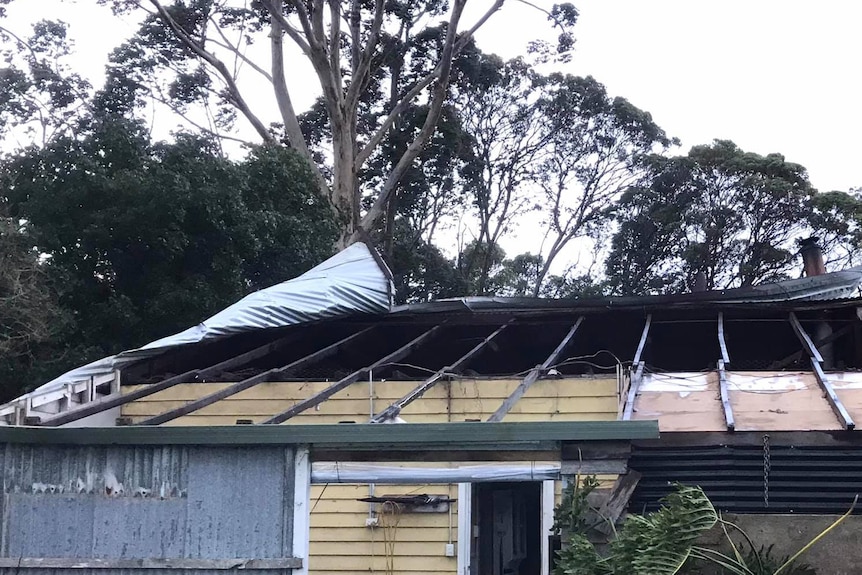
637, 371
725, 396
834, 402
796, 356
809, 346
118, 400
824, 383
395, 408
722, 343
325, 394
247, 383
534, 374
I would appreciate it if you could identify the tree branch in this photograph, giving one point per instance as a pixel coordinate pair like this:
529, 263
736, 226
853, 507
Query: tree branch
404, 102
228, 45
220, 67
361, 65
434, 110
399, 109
286, 109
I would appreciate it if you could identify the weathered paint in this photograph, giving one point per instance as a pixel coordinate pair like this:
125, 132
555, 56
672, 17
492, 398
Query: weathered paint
567, 399
151, 502
340, 540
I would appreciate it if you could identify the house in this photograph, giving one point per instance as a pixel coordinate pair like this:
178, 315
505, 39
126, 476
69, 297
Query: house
756, 392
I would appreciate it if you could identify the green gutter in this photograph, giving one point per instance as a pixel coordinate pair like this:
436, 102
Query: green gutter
455, 436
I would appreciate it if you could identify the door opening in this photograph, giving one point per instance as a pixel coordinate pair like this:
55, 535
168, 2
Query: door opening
507, 529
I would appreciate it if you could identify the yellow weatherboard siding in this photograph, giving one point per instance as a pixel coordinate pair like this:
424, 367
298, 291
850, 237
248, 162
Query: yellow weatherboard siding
340, 541
570, 399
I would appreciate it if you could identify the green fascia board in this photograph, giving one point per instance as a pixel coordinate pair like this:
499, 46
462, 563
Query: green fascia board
454, 436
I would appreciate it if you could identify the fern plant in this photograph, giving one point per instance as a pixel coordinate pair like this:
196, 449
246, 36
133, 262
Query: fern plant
662, 542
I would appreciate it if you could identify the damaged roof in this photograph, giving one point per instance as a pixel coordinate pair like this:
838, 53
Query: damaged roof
338, 319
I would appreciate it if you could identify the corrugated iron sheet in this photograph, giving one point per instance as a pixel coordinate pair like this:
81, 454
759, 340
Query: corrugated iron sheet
354, 281
130, 502
751, 479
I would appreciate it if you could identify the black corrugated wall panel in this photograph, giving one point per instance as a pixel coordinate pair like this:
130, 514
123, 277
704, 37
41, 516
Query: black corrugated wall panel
746, 479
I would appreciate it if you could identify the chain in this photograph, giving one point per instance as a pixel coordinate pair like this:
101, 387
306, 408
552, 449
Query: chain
767, 466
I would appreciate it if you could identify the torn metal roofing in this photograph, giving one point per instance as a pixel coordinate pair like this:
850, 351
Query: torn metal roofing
846, 284
354, 281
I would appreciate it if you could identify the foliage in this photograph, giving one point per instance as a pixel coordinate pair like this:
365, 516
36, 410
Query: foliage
41, 97
29, 314
145, 239
761, 561
719, 211
377, 64
659, 543
665, 541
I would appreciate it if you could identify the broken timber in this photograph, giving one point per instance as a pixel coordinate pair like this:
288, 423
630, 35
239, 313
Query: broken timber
637, 375
725, 397
534, 374
618, 500
832, 397
235, 388
352, 378
141, 392
725, 357
395, 408
824, 383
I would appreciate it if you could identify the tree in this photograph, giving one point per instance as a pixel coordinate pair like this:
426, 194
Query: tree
556, 144
594, 148
41, 97
726, 214
29, 314
836, 217
189, 56
145, 239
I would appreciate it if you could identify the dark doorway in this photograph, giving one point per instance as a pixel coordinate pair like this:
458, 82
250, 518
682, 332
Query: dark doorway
507, 521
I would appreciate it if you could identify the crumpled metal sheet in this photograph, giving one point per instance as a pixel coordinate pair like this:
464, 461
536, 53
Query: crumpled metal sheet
351, 282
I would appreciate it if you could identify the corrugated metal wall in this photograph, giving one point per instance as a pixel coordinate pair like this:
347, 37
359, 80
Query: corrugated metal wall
142, 502
750, 479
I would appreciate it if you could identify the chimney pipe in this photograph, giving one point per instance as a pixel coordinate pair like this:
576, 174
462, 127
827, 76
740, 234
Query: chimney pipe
812, 256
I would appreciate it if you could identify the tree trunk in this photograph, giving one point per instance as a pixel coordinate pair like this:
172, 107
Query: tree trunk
345, 193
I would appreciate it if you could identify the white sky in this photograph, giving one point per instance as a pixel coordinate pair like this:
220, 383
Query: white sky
771, 75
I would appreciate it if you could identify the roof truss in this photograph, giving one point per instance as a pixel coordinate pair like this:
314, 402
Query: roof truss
141, 392
395, 408
638, 371
534, 374
250, 382
318, 398
816, 361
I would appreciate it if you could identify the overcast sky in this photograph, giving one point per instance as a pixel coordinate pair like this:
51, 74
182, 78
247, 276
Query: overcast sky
771, 75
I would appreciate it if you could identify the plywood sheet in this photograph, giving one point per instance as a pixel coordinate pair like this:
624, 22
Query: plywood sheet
779, 401
848, 387
681, 402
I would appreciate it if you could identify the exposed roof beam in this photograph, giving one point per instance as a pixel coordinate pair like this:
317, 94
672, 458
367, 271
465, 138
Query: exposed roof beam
117, 400
796, 356
721, 341
534, 374
805, 339
638, 370
834, 402
395, 408
247, 383
322, 396
824, 383
634, 386
725, 396
643, 340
